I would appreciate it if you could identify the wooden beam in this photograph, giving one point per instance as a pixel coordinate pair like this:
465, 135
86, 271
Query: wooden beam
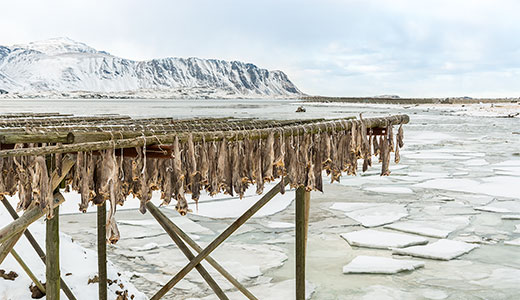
220, 239
52, 263
8, 245
151, 207
162, 220
328, 126
302, 217
102, 249
36, 212
27, 219
28, 271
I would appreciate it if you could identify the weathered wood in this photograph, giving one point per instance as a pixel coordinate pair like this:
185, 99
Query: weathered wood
102, 249
84, 134
52, 263
28, 271
220, 239
36, 246
302, 198
27, 219
199, 136
8, 245
162, 220
36, 212
152, 208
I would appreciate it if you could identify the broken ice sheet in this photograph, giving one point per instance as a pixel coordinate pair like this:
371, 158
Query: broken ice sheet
381, 292
442, 250
279, 225
501, 278
372, 214
380, 265
283, 290
515, 242
389, 189
501, 207
370, 238
431, 228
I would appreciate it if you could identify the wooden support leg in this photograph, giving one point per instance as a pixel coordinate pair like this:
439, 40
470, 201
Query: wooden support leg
52, 263
8, 245
219, 240
152, 208
28, 271
102, 249
161, 218
36, 247
302, 217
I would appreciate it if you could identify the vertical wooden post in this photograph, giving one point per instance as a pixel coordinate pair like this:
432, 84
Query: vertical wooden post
102, 249
52, 259
302, 218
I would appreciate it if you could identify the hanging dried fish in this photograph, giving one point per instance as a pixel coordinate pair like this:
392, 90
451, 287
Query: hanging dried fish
400, 136
385, 157
390, 137
258, 168
318, 162
58, 160
182, 205
42, 190
268, 158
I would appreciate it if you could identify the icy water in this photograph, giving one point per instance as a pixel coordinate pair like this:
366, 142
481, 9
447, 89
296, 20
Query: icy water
458, 178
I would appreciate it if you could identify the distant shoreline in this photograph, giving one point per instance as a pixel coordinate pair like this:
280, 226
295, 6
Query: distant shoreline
392, 100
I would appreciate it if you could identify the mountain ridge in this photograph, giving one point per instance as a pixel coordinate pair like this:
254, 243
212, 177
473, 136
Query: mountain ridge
63, 65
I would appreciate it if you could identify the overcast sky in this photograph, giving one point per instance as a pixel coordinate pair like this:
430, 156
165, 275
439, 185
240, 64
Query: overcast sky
327, 47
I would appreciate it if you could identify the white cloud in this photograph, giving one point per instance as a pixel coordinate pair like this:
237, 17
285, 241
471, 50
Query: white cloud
333, 47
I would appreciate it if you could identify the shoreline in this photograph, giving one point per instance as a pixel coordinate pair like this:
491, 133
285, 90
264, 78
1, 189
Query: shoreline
410, 101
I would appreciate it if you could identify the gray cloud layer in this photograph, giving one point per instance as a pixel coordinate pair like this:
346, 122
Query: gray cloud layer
332, 47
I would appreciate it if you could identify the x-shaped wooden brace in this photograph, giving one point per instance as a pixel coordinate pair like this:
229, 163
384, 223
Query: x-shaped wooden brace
174, 232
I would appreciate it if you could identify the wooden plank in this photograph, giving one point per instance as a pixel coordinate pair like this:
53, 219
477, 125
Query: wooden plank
102, 249
36, 247
161, 219
27, 219
52, 263
151, 207
8, 245
220, 239
302, 217
207, 136
28, 271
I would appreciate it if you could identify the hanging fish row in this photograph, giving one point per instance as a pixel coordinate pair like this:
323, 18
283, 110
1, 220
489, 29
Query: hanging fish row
224, 166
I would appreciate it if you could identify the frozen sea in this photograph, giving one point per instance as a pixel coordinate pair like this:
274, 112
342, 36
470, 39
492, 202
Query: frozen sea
456, 188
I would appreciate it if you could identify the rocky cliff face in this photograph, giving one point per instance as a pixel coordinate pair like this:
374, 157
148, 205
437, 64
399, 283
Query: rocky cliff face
63, 65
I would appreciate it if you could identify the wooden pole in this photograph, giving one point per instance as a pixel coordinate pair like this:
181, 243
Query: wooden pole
36, 246
302, 200
220, 239
28, 271
167, 222
8, 245
199, 136
52, 262
102, 249
27, 219
161, 219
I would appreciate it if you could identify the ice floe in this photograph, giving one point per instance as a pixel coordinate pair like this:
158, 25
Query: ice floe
282, 290
515, 242
502, 186
501, 278
234, 208
370, 238
511, 217
501, 207
476, 162
431, 228
442, 250
389, 190
380, 265
372, 214
279, 225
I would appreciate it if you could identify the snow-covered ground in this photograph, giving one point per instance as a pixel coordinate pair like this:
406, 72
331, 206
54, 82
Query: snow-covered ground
452, 202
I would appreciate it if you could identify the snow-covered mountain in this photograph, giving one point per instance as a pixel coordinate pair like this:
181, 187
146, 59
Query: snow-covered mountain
63, 65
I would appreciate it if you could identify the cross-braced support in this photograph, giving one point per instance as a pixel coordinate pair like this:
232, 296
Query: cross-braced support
220, 239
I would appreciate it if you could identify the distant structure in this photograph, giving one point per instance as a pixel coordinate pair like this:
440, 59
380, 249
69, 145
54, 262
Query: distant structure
301, 109
3, 92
